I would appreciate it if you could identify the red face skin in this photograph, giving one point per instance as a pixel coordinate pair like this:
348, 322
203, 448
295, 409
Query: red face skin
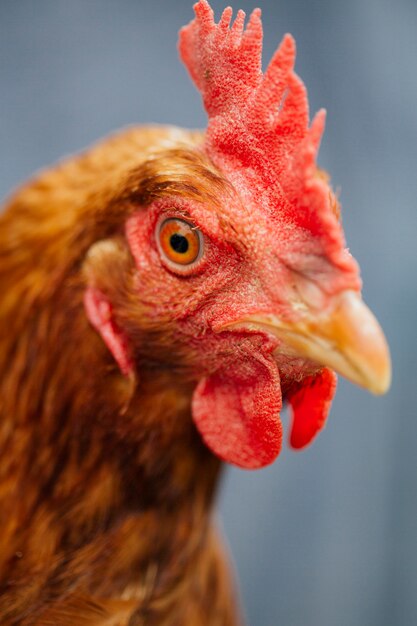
243, 271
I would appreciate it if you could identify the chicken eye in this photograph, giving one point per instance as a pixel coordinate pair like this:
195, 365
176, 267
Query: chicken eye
180, 243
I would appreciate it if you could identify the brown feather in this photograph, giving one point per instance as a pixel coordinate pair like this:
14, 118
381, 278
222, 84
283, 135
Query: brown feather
106, 490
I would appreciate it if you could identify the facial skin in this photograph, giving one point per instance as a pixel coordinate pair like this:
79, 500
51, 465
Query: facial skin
258, 316
251, 268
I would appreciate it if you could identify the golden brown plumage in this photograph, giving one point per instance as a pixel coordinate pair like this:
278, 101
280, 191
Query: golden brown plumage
96, 525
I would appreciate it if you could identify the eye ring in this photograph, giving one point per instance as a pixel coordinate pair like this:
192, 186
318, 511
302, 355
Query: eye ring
180, 244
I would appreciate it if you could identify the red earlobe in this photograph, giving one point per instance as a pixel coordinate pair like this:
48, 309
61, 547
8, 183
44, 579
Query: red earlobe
99, 313
310, 403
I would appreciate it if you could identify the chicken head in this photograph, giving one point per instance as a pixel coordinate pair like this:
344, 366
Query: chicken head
240, 280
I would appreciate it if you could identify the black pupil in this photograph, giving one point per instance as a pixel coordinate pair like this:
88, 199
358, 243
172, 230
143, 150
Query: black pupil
179, 243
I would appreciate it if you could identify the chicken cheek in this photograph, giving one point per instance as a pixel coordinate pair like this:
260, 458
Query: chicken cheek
310, 404
237, 409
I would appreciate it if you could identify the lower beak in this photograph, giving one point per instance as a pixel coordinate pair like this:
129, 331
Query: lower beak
346, 338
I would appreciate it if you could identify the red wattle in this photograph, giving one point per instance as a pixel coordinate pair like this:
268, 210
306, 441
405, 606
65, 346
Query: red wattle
236, 410
310, 402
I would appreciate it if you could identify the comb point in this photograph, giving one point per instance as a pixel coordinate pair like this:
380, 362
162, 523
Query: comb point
239, 22
204, 12
253, 30
286, 53
317, 127
225, 18
280, 66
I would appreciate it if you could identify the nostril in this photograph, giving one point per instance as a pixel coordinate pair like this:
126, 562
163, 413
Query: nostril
309, 292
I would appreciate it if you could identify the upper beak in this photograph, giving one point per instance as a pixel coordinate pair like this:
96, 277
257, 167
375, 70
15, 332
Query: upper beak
346, 338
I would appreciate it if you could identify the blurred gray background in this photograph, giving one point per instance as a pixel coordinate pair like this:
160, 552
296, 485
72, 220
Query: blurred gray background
328, 536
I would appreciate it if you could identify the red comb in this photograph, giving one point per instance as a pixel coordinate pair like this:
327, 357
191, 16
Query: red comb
260, 120
225, 63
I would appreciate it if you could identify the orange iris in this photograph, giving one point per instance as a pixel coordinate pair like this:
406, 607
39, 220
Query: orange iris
179, 241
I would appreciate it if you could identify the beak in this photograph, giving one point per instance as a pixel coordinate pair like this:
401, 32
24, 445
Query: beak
347, 338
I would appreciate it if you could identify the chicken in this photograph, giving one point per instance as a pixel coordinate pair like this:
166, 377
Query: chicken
161, 296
